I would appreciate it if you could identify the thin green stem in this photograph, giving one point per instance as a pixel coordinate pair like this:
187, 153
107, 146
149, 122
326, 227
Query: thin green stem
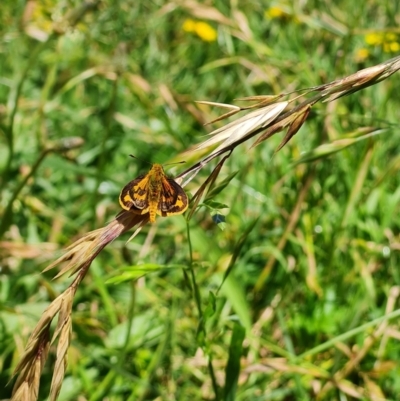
131, 313
156, 361
75, 16
195, 288
107, 134
213, 378
13, 104
300, 392
6, 221
109, 380
104, 386
197, 298
101, 288
345, 336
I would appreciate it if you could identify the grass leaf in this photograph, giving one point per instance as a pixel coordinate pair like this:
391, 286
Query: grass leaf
232, 369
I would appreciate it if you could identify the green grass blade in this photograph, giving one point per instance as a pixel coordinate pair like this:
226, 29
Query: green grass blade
233, 367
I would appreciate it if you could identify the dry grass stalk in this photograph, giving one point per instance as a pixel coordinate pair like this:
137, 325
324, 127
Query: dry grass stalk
63, 333
273, 115
78, 258
26, 387
206, 184
270, 117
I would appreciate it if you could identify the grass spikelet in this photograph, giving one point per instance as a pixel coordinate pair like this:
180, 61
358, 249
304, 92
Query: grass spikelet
63, 332
81, 253
78, 258
272, 116
30, 367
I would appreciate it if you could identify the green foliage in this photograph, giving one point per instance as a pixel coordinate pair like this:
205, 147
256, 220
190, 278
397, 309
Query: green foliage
266, 311
233, 365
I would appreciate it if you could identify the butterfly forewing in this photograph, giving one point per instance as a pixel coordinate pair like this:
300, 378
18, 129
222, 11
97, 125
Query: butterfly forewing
134, 195
173, 199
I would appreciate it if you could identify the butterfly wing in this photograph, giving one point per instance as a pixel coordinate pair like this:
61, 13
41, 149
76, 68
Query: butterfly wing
134, 196
173, 199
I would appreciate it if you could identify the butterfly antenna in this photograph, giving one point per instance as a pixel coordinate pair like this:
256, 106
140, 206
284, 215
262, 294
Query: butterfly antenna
170, 164
145, 161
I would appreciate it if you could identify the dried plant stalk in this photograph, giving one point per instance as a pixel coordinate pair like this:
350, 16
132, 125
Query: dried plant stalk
273, 114
78, 258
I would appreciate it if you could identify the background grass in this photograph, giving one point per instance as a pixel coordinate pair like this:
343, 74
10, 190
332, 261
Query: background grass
125, 79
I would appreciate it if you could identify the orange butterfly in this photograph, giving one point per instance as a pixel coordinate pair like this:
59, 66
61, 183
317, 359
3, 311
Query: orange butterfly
154, 193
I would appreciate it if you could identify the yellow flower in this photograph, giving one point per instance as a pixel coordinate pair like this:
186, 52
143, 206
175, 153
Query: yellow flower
189, 25
394, 47
275, 12
203, 30
373, 39
361, 54
391, 47
206, 31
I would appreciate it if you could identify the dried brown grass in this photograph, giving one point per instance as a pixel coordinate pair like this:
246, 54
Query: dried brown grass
77, 260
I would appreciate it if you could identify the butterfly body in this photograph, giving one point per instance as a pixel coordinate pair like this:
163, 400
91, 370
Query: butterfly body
154, 193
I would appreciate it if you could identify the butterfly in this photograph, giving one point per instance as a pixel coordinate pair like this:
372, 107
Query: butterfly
154, 193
